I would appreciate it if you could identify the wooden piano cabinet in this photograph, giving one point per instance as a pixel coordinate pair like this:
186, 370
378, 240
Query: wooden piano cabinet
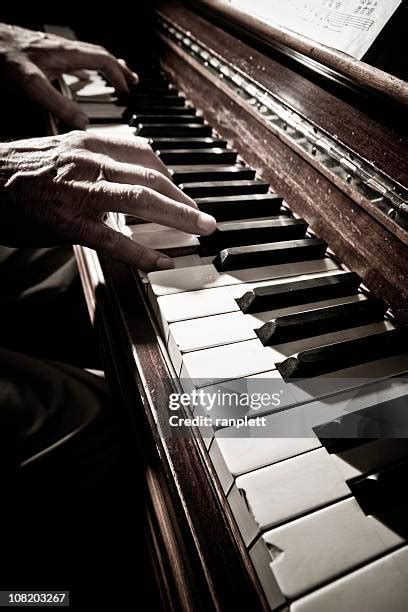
200, 559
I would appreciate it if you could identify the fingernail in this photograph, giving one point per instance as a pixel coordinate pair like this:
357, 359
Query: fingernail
80, 120
206, 223
165, 263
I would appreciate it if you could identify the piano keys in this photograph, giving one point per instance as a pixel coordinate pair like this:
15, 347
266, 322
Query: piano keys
264, 304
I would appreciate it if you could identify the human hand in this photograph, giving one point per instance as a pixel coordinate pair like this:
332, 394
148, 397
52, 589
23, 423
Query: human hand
56, 190
29, 60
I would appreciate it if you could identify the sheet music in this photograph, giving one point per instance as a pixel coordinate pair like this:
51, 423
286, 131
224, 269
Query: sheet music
347, 25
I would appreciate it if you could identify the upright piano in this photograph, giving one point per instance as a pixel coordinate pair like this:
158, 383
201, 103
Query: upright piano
300, 152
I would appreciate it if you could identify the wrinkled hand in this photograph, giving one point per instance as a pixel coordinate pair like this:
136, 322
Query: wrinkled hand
29, 60
56, 190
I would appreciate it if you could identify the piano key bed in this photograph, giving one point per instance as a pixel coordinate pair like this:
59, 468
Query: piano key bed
318, 491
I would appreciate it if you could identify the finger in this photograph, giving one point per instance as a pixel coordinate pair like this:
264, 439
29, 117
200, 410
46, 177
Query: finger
128, 150
37, 87
82, 75
131, 77
92, 58
114, 244
138, 175
147, 204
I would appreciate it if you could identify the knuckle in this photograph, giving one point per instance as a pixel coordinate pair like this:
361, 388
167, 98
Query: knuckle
101, 49
78, 139
106, 172
141, 195
152, 178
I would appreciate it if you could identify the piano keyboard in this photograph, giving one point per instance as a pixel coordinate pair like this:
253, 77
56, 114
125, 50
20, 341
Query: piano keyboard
321, 510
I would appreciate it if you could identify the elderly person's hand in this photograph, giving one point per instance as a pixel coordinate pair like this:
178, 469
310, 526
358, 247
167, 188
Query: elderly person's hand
56, 190
29, 60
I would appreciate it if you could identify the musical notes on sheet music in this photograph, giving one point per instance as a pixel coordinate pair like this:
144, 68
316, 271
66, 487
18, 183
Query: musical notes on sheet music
347, 25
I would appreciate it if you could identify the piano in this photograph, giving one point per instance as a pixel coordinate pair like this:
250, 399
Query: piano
300, 152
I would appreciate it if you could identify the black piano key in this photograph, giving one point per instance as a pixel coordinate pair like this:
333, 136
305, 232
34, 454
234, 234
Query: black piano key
332, 357
384, 496
163, 110
139, 119
166, 108
159, 99
148, 81
183, 129
142, 105
389, 419
239, 233
181, 174
273, 253
228, 208
320, 321
223, 188
197, 156
152, 89
186, 143
305, 291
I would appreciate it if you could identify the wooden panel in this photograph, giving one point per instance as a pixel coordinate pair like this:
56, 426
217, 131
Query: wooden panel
360, 241
203, 561
385, 147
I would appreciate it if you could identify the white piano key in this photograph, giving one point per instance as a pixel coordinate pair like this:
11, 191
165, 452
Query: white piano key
245, 454
229, 361
94, 91
111, 129
107, 110
286, 490
165, 282
70, 79
193, 304
320, 546
226, 362
202, 333
289, 432
217, 330
261, 559
379, 586
245, 521
196, 334
303, 391
166, 239
156, 291
224, 475
206, 431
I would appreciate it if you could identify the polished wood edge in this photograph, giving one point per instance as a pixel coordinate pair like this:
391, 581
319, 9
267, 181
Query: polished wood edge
169, 563
361, 73
201, 556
